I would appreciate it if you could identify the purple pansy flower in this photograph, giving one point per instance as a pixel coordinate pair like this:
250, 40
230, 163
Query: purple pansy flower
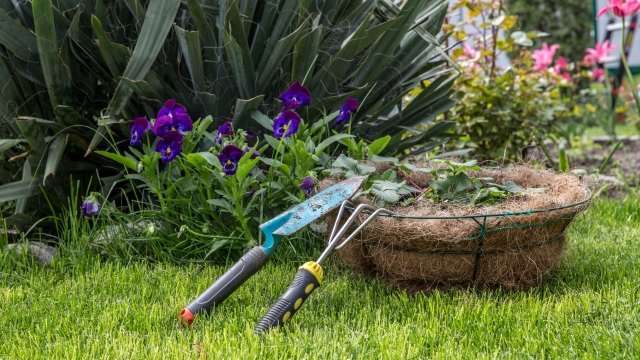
229, 157
344, 115
307, 185
255, 152
172, 117
170, 146
165, 124
295, 96
286, 124
90, 206
172, 109
224, 130
249, 136
139, 126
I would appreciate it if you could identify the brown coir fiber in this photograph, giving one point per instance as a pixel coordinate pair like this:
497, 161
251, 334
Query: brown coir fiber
514, 249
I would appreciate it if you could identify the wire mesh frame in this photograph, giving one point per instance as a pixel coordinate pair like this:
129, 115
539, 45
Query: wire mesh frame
483, 231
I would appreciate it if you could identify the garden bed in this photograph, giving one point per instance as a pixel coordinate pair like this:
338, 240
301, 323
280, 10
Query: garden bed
590, 159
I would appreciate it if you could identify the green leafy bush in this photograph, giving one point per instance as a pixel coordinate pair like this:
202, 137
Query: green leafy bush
74, 73
505, 115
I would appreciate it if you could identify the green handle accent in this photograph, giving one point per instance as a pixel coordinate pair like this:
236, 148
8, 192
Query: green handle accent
297, 293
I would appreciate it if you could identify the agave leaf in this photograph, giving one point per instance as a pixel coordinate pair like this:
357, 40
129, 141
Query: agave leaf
96, 140
68, 117
48, 49
274, 59
378, 56
285, 17
247, 8
243, 110
190, 45
207, 37
21, 204
115, 55
145, 90
237, 63
56, 149
304, 54
136, 9
237, 32
259, 41
204, 103
157, 23
361, 39
20, 189
32, 133
16, 38
10, 96
6, 144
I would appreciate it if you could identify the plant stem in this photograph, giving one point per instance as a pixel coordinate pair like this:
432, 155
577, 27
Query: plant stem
239, 210
623, 56
212, 236
612, 119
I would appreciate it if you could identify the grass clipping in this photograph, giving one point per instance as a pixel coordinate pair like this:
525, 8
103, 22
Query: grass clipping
512, 251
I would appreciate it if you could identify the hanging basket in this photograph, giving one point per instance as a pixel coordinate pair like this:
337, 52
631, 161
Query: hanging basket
513, 244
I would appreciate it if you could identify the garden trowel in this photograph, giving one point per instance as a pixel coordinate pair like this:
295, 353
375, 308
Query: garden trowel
274, 230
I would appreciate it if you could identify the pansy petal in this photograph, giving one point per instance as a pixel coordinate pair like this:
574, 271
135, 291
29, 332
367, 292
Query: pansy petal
162, 125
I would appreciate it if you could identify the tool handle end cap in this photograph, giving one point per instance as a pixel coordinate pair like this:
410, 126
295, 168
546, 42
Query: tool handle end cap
186, 317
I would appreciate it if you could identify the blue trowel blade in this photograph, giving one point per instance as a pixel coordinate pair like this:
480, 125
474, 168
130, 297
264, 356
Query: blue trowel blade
314, 208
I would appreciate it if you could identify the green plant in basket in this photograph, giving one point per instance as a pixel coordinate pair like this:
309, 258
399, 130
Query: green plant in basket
452, 183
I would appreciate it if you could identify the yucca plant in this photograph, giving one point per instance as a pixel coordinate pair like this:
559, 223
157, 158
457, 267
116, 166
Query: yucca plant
73, 72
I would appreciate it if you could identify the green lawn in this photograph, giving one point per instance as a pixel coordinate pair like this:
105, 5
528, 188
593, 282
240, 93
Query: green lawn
587, 309
621, 130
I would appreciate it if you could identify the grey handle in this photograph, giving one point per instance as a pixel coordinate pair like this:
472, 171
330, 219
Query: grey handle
248, 265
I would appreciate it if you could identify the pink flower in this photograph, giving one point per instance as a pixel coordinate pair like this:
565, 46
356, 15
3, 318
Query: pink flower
561, 64
470, 57
621, 8
544, 57
599, 54
597, 74
566, 77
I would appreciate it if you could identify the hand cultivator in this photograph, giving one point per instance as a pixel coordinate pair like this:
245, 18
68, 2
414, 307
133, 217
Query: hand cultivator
309, 275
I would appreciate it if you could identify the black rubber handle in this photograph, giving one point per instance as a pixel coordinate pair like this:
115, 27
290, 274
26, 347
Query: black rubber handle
297, 293
248, 265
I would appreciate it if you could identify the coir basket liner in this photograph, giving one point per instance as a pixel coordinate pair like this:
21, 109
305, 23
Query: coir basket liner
512, 244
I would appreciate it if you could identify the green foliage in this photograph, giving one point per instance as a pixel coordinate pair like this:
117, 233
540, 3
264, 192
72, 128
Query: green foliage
72, 73
568, 22
504, 116
454, 184
193, 197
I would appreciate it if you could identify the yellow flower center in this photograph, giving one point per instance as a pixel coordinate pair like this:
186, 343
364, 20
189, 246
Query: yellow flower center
168, 151
173, 129
285, 127
229, 162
